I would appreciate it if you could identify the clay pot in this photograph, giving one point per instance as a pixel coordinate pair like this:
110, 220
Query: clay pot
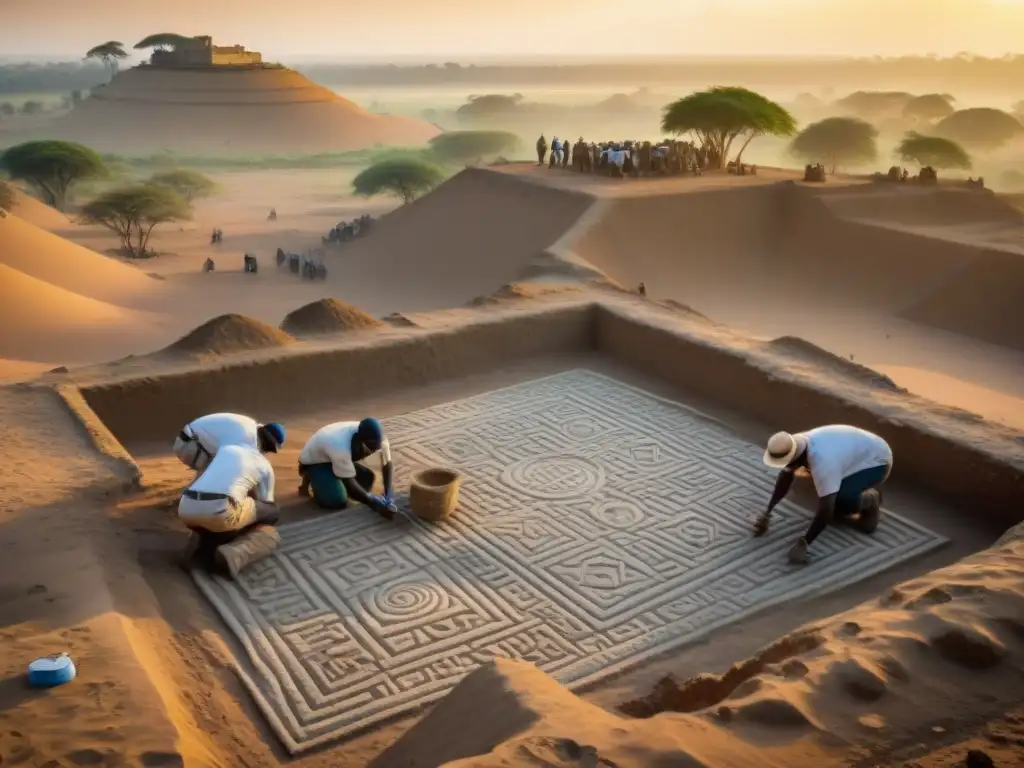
434, 493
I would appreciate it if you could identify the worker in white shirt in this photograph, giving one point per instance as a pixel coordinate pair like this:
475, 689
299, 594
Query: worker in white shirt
328, 464
234, 494
848, 465
199, 440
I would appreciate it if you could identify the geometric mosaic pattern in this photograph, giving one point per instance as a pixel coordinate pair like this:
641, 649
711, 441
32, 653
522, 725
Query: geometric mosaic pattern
598, 526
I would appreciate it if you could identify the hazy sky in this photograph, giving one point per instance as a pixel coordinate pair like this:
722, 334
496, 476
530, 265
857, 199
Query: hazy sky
465, 29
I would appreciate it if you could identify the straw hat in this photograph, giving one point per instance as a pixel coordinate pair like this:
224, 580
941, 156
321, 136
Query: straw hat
783, 448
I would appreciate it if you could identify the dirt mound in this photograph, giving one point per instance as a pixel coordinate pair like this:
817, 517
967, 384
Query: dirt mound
803, 350
519, 291
227, 334
399, 320
327, 316
229, 111
924, 207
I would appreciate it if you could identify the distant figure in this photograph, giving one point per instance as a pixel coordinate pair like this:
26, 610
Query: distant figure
272, 216
556, 150
250, 264
217, 236
208, 265
642, 290
282, 257
847, 466
542, 149
566, 149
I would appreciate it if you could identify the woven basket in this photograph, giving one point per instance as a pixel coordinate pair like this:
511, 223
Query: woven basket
434, 493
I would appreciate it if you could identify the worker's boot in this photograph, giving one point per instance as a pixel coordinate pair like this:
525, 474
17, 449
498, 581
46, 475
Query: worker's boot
870, 506
253, 545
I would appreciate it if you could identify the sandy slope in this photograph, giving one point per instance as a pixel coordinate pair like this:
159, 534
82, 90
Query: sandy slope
247, 110
32, 250
30, 209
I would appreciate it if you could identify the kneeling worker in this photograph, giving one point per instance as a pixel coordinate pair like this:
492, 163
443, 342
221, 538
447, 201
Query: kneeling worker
847, 465
327, 465
229, 509
199, 441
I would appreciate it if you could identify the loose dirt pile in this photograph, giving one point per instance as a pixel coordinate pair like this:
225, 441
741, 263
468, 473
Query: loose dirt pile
327, 316
519, 291
803, 350
227, 334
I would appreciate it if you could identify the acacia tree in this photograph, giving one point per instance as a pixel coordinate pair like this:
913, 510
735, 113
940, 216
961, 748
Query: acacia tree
837, 141
133, 212
931, 106
464, 146
404, 177
191, 185
162, 40
935, 151
980, 128
719, 116
52, 167
109, 53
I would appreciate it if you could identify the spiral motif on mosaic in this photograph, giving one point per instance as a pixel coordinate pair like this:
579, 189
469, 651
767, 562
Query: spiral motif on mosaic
554, 477
409, 599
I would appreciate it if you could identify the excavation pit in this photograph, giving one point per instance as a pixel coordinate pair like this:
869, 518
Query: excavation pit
612, 464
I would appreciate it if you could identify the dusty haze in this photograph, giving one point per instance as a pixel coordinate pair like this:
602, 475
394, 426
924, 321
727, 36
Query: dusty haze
530, 27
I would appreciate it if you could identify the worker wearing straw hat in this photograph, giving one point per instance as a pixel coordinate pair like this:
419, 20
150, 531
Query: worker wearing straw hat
847, 466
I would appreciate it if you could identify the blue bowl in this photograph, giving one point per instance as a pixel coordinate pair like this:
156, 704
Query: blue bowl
51, 670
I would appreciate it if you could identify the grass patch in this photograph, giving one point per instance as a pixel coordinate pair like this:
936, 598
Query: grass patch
324, 160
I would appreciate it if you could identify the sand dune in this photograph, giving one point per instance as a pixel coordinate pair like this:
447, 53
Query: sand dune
36, 212
46, 323
144, 109
52, 259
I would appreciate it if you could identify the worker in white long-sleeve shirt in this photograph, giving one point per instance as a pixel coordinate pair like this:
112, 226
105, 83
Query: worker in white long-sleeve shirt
199, 440
233, 496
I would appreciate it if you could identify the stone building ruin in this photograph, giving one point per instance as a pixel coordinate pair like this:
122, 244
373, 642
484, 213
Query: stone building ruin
201, 52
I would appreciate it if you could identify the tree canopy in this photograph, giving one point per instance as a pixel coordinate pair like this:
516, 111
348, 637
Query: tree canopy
720, 115
191, 185
133, 212
931, 106
52, 167
162, 40
402, 177
874, 103
837, 141
462, 146
981, 128
489, 106
109, 53
935, 151
6, 197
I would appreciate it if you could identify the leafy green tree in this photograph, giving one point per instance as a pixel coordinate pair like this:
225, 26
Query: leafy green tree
931, 106
7, 109
52, 167
191, 185
133, 212
109, 53
980, 128
31, 107
935, 151
837, 141
403, 177
464, 146
6, 198
719, 116
162, 40
489, 106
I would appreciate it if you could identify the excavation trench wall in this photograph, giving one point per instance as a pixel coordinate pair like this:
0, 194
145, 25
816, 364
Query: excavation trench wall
958, 471
957, 465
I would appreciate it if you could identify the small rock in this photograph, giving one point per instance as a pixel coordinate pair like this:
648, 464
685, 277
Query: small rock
978, 759
59, 369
